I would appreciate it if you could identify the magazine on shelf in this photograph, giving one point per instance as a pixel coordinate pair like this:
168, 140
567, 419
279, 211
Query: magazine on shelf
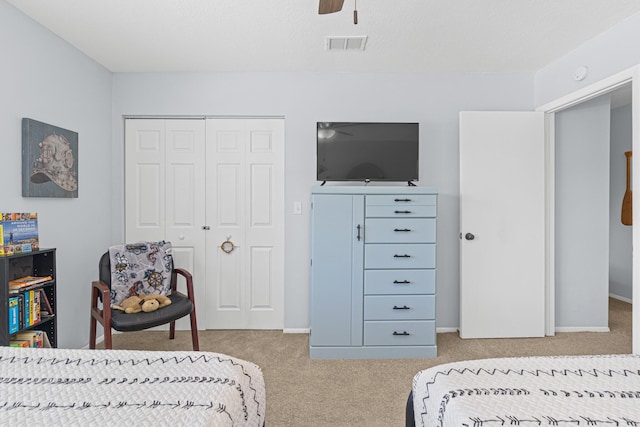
18, 233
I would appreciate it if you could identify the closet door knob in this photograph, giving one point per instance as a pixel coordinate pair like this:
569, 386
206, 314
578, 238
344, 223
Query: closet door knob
469, 236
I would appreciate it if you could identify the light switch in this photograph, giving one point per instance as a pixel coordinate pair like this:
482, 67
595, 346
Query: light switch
297, 208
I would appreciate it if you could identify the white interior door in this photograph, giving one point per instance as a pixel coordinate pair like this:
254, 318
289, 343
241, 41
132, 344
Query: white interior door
245, 206
502, 212
164, 192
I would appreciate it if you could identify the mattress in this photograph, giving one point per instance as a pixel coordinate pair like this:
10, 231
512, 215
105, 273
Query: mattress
533, 391
41, 386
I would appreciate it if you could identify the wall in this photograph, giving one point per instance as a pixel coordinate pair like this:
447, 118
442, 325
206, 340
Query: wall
433, 100
613, 51
45, 79
582, 215
620, 267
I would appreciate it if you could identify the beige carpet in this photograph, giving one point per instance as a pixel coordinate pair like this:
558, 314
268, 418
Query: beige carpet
336, 393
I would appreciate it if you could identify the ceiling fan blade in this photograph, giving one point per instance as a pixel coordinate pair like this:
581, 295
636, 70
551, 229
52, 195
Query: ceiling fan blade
330, 6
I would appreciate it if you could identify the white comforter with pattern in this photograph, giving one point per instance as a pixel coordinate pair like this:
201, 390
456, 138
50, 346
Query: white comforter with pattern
58, 387
532, 391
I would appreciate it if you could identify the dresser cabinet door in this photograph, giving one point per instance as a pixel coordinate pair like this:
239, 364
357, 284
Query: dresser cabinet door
336, 270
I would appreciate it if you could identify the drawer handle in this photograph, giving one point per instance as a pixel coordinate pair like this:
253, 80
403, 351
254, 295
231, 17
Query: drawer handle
402, 256
402, 212
401, 200
400, 281
401, 229
404, 307
405, 333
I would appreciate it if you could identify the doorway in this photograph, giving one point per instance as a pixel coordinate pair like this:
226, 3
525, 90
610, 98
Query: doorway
608, 85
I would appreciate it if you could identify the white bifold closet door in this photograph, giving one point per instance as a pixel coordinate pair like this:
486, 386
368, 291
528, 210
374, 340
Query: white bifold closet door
200, 183
165, 191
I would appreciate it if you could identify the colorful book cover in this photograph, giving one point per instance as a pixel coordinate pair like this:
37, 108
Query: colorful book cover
23, 282
35, 307
19, 233
27, 309
19, 343
14, 315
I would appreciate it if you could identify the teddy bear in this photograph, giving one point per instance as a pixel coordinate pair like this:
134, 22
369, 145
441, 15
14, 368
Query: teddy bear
143, 302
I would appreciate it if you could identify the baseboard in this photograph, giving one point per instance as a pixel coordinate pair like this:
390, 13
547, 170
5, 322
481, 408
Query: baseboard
582, 329
619, 298
446, 330
295, 331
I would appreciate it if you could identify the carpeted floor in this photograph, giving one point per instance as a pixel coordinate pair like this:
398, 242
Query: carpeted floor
341, 393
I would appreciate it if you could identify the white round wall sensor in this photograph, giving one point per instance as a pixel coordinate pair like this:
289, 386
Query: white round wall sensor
580, 73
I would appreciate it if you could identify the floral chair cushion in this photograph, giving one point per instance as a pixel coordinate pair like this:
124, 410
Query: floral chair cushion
140, 267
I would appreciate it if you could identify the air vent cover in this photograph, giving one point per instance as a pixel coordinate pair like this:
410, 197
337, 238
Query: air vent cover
345, 42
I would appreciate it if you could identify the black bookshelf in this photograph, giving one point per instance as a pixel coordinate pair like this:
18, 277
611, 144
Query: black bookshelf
37, 263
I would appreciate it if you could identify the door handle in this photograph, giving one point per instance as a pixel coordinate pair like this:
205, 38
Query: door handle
469, 236
358, 236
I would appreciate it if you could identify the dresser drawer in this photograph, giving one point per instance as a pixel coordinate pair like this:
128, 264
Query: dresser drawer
422, 332
406, 230
394, 282
401, 199
414, 211
397, 256
399, 307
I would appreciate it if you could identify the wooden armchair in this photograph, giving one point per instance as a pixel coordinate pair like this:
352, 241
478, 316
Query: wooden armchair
180, 306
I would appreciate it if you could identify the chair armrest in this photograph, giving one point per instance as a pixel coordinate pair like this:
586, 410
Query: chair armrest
99, 289
189, 282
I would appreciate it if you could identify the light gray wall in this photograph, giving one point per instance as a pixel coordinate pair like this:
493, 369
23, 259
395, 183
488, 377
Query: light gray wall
433, 100
620, 264
45, 79
582, 214
613, 51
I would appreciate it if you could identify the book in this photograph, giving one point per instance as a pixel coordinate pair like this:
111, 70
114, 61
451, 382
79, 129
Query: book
14, 315
34, 338
26, 281
27, 309
19, 233
45, 305
35, 306
19, 343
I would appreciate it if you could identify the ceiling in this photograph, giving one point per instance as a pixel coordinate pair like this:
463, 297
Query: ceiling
409, 36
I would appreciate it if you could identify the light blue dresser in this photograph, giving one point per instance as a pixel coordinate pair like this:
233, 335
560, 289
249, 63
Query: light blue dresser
373, 272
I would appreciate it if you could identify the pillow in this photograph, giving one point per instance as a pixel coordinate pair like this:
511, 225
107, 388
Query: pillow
143, 267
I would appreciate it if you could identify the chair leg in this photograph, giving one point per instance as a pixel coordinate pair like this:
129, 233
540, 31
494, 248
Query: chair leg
172, 330
108, 343
92, 333
194, 331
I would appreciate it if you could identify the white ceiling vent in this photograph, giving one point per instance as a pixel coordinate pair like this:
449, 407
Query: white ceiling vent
345, 42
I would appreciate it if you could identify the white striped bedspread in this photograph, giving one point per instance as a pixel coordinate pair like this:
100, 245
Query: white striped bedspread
61, 387
531, 391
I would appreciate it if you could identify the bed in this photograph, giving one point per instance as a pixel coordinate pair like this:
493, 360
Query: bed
42, 386
532, 391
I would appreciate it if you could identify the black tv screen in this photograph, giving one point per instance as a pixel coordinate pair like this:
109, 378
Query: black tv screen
367, 151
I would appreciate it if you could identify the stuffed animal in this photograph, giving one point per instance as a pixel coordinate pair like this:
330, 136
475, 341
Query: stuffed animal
142, 302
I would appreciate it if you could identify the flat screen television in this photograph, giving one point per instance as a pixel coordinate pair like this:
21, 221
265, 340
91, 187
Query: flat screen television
367, 151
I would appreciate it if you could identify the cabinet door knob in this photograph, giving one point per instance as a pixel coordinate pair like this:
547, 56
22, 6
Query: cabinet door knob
402, 212
469, 236
404, 307
401, 200
401, 229
401, 281
401, 333
402, 256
